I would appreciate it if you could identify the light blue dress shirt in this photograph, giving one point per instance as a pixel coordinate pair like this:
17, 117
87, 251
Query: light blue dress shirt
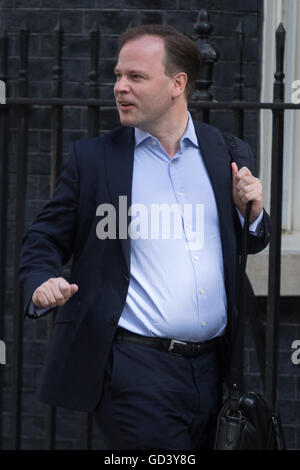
176, 287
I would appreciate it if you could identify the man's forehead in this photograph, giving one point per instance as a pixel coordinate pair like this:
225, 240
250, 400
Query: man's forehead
143, 53
144, 44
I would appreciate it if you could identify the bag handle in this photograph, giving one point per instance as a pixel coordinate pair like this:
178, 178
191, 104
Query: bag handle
237, 362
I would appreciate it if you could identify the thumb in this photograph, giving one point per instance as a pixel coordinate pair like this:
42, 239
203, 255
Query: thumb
235, 169
74, 288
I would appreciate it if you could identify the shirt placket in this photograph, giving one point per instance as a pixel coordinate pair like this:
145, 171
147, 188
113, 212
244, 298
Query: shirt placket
183, 199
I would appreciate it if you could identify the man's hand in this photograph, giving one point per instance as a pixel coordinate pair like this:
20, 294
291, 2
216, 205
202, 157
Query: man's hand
245, 188
56, 291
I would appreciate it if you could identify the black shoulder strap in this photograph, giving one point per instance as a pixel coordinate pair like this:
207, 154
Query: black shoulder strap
234, 153
246, 300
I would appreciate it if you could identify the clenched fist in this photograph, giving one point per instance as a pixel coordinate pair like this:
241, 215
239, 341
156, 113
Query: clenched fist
54, 292
245, 188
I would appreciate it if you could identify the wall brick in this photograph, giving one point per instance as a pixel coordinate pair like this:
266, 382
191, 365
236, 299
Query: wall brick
152, 17
224, 5
149, 4
110, 22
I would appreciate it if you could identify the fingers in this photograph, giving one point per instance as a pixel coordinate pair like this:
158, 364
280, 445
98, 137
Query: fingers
249, 192
54, 292
74, 288
235, 169
238, 175
246, 186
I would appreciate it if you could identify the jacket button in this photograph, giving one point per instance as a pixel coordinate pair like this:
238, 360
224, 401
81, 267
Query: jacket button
126, 278
115, 321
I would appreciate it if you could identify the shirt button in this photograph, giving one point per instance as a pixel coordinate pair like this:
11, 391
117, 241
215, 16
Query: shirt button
201, 291
203, 323
180, 193
154, 142
196, 257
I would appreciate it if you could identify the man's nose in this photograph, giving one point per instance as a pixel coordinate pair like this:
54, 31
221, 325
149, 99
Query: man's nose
122, 85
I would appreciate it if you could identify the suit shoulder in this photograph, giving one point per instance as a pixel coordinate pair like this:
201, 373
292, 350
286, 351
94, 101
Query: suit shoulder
91, 143
208, 128
241, 144
93, 147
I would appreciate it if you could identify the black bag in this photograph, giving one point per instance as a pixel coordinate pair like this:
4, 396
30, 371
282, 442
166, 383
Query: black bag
246, 421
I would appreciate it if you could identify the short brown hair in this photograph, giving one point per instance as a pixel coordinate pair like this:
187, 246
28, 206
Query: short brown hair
182, 55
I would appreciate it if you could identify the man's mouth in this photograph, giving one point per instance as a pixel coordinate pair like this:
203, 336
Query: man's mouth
125, 106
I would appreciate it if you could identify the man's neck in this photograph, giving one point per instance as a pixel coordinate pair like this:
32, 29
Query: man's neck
170, 141
170, 132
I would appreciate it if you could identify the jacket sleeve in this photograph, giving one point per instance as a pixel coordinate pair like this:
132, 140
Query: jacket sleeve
49, 241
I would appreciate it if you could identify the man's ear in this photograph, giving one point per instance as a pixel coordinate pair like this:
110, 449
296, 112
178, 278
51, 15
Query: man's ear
179, 84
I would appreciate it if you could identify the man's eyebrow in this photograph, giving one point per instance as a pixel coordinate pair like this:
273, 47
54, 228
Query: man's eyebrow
141, 72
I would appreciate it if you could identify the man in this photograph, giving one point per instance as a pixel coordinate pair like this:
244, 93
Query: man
146, 316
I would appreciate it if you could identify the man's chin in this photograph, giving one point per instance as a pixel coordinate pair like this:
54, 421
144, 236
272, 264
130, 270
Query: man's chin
127, 121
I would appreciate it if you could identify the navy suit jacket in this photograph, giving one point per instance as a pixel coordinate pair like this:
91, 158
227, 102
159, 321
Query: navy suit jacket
98, 171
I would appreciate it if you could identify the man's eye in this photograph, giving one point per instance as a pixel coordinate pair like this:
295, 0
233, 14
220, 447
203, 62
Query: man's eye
137, 77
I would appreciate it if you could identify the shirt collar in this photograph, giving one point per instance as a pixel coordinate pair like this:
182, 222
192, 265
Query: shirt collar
189, 134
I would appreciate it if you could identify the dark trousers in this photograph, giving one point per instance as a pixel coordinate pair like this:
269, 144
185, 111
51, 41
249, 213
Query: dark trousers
156, 400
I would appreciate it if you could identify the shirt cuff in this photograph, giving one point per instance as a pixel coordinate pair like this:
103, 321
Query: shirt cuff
36, 312
254, 226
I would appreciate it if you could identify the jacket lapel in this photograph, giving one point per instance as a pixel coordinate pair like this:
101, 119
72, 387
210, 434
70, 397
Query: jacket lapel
217, 162
119, 165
